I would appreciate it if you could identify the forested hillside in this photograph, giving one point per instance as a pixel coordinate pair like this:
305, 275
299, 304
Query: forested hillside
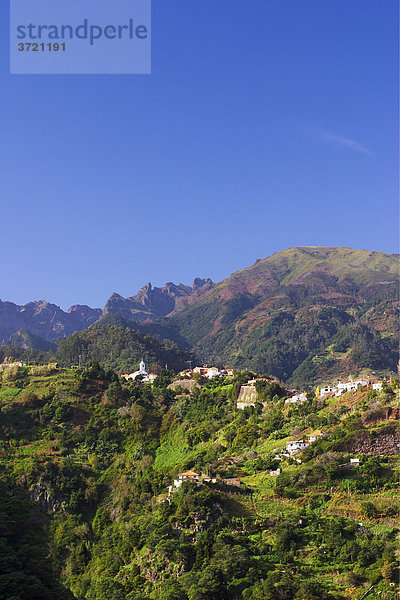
86, 462
119, 347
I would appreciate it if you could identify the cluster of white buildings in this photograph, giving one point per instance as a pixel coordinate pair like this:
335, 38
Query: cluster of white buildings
296, 446
144, 376
206, 372
250, 400
348, 386
6, 364
337, 390
299, 445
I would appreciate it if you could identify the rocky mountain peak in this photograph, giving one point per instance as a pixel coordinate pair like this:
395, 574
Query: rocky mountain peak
198, 282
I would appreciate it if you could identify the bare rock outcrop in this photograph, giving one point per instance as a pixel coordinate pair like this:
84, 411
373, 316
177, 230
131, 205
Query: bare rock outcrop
40, 494
386, 441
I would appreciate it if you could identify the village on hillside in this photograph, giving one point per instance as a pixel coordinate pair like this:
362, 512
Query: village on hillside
248, 393
248, 398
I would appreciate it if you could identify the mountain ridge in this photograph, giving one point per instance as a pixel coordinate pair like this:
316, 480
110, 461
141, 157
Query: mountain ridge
277, 315
150, 303
253, 317
44, 319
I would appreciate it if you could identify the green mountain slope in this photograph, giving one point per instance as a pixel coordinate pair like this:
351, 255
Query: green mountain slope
281, 315
118, 347
96, 456
26, 339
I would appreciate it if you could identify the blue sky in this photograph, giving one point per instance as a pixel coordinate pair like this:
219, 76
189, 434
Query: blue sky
264, 125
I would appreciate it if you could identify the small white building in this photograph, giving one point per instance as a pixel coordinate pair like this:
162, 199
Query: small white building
12, 364
342, 388
187, 475
275, 473
212, 372
142, 372
378, 385
348, 386
296, 446
297, 399
316, 435
142, 368
207, 372
327, 391
150, 378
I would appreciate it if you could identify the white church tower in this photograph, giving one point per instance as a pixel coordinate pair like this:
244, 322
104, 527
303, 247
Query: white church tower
142, 368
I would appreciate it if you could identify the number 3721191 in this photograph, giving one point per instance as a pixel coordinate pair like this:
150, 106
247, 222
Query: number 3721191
43, 47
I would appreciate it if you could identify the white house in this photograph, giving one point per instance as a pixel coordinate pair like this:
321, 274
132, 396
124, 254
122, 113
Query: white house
377, 385
208, 372
149, 378
187, 475
201, 371
327, 390
212, 372
275, 473
316, 435
12, 364
229, 372
342, 388
350, 386
297, 399
297, 446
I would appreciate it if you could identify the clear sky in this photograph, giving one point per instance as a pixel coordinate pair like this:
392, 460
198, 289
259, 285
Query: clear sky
264, 124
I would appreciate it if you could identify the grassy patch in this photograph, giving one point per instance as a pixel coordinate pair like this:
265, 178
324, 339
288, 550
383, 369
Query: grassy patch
9, 393
174, 451
270, 445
